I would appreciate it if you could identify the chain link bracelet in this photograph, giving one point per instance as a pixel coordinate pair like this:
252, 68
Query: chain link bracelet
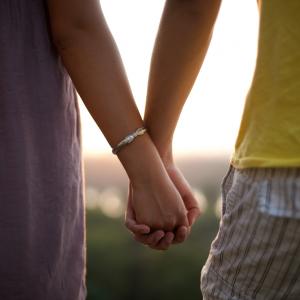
129, 139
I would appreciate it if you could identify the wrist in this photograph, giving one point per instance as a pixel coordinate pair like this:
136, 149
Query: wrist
141, 160
166, 154
165, 150
162, 143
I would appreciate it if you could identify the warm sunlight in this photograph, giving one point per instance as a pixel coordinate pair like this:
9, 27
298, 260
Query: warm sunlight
211, 117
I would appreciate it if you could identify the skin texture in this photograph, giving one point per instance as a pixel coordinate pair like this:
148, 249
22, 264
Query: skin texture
90, 56
181, 44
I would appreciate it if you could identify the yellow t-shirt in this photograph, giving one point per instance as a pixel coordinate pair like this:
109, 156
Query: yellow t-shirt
269, 134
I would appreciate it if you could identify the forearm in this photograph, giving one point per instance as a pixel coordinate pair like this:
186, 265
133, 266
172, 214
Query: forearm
93, 62
90, 56
180, 48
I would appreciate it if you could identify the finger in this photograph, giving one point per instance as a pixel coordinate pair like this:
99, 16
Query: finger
191, 204
193, 215
165, 242
156, 237
188, 231
130, 221
181, 235
149, 239
190, 200
129, 214
188, 197
137, 228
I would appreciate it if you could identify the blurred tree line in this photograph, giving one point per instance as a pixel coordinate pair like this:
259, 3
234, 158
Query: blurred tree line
118, 268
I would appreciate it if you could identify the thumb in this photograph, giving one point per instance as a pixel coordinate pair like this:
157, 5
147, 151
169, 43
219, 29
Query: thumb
185, 190
193, 215
192, 206
130, 221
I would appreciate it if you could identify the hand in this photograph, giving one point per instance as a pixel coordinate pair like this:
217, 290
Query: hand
184, 189
157, 203
158, 239
153, 197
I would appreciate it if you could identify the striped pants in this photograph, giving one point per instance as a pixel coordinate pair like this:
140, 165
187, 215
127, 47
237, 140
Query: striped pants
256, 253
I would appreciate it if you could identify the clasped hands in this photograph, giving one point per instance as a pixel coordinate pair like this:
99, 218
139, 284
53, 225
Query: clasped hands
160, 212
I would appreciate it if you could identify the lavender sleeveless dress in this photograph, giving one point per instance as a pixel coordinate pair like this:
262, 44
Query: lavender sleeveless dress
42, 221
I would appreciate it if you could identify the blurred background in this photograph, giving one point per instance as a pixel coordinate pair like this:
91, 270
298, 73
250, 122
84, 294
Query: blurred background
118, 267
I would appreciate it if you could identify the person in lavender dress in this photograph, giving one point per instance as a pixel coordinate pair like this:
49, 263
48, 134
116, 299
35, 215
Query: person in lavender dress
49, 47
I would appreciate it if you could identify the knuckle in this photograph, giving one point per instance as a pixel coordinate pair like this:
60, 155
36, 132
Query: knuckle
156, 225
150, 240
164, 248
169, 224
179, 241
183, 219
127, 224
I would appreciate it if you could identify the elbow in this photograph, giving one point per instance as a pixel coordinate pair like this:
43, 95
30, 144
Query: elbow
73, 32
61, 39
65, 35
196, 8
70, 24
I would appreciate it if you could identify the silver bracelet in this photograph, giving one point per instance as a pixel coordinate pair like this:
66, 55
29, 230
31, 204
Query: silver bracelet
129, 139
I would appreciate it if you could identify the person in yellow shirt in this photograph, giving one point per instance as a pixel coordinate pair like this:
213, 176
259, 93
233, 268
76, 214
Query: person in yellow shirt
256, 254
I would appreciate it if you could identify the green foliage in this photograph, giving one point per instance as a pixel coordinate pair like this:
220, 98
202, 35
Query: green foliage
120, 268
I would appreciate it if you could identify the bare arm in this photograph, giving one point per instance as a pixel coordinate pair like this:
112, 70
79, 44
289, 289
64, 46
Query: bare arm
180, 48
91, 57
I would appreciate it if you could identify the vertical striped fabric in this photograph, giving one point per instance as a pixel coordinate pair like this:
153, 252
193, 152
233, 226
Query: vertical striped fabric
256, 254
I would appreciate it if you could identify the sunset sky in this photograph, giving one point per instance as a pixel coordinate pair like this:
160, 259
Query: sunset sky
211, 116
